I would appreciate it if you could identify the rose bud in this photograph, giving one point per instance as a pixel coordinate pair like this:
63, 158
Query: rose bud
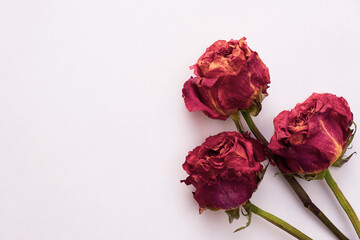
312, 136
229, 77
225, 170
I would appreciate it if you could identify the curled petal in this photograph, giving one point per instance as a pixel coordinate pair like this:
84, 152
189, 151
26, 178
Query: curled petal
194, 100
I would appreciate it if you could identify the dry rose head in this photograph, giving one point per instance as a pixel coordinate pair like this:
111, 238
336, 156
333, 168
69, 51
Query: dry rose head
225, 170
312, 136
229, 77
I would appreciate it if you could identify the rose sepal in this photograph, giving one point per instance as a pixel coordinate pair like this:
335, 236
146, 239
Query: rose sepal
233, 214
313, 176
247, 214
341, 160
307, 177
256, 106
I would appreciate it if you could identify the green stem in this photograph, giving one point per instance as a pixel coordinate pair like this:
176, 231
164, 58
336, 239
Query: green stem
300, 192
343, 201
236, 119
253, 127
249, 207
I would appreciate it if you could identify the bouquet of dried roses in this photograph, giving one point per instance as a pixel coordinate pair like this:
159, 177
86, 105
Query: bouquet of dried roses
231, 81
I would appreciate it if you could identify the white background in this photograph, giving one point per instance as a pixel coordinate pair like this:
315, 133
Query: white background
93, 127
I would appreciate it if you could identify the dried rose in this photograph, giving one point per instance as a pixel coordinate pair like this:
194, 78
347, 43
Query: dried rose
312, 136
225, 170
229, 77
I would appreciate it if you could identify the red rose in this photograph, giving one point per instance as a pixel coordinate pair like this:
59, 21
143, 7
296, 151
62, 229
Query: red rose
229, 77
312, 136
225, 170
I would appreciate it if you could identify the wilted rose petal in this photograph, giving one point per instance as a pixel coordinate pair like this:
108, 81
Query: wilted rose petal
312, 136
229, 77
225, 170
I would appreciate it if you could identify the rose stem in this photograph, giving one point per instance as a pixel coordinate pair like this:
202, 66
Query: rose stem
236, 119
300, 192
343, 201
249, 207
305, 199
